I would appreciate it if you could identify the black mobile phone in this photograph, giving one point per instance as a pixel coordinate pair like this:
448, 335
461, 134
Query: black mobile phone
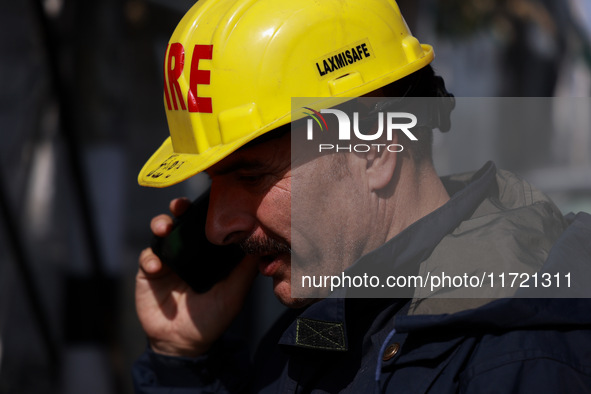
190, 255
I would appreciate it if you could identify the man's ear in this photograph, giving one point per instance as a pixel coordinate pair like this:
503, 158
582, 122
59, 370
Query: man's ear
381, 164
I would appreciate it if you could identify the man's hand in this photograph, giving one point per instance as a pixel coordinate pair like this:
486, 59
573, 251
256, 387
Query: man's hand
178, 321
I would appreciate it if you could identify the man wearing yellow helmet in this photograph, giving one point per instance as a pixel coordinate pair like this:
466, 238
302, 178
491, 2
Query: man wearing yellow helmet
231, 70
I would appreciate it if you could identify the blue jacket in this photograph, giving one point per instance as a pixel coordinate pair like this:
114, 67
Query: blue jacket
427, 344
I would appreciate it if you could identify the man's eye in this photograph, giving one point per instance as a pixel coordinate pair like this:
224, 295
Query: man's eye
251, 178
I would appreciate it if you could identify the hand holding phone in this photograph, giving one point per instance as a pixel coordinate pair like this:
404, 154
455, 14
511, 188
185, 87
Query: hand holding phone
177, 320
190, 255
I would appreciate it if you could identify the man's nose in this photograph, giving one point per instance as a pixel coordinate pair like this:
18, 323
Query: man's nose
230, 218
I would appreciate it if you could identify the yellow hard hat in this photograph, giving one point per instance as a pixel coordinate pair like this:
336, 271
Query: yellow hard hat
232, 67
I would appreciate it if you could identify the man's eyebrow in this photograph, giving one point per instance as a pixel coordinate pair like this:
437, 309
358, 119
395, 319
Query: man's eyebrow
239, 164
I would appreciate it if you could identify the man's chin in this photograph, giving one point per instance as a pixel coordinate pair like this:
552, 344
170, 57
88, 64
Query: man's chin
282, 291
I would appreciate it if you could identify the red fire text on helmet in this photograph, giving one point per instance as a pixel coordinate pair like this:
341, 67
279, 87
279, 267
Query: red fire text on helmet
173, 68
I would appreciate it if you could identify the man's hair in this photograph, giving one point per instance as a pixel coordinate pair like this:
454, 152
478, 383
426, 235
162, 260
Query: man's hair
424, 83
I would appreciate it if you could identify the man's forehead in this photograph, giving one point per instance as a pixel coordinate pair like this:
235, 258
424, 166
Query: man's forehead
235, 162
256, 156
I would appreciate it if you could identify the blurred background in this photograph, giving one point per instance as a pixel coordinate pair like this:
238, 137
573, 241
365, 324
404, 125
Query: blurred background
81, 111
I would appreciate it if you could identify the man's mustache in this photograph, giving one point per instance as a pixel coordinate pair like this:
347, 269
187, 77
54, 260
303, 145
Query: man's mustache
263, 246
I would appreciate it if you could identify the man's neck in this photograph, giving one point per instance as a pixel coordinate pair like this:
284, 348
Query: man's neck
417, 193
